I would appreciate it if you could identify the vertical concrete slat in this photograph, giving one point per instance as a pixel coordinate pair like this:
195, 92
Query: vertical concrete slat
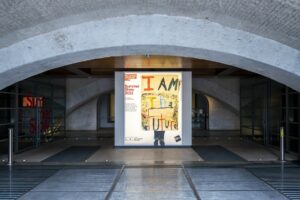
119, 109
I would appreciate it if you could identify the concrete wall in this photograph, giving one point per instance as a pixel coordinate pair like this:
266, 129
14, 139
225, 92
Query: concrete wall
153, 34
119, 106
187, 109
82, 89
81, 101
220, 117
223, 96
84, 118
226, 90
82, 95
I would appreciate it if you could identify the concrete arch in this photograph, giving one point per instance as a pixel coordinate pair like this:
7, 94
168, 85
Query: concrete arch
82, 91
150, 34
221, 101
223, 90
82, 96
220, 108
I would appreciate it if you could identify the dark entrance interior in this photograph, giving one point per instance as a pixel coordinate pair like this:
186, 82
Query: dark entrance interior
200, 111
106, 114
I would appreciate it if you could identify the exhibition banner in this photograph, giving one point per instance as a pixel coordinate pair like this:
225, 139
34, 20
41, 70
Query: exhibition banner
153, 108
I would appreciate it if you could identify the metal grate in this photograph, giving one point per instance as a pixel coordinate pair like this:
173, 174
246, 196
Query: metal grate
18, 180
286, 180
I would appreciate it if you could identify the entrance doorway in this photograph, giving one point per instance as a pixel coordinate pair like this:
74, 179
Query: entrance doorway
200, 111
106, 114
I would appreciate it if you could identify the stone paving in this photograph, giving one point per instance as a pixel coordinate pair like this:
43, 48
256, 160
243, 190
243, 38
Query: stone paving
150, 182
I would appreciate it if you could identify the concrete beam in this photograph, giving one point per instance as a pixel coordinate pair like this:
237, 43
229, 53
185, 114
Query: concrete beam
154, 35
227, 72
78, 71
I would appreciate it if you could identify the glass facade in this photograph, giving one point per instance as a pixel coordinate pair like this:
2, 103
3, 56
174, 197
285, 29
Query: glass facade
35, 109
265, 107
7, 115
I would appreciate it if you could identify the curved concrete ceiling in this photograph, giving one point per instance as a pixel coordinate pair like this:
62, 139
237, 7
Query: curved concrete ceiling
275, 19
259, 36
154, 35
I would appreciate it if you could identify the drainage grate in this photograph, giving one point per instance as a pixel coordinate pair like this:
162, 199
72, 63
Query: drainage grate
20, 179
285, 180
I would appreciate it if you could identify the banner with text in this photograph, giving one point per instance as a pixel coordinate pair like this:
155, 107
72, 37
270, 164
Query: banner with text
153, 108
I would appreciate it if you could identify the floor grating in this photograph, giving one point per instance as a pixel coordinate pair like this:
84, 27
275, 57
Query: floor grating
16, 181
286, 180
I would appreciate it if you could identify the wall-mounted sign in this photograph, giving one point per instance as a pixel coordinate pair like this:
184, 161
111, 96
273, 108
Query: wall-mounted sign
33, 102
153, 108
159, 62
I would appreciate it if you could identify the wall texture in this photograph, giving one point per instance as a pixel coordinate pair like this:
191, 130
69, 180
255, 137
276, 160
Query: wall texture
226, 90
84, 118
220, 117
81, 101
274, 19
223, 96
157, 34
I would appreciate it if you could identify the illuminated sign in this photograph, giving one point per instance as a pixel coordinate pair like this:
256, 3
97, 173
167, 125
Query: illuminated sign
33, 102
159, 62
153, 107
